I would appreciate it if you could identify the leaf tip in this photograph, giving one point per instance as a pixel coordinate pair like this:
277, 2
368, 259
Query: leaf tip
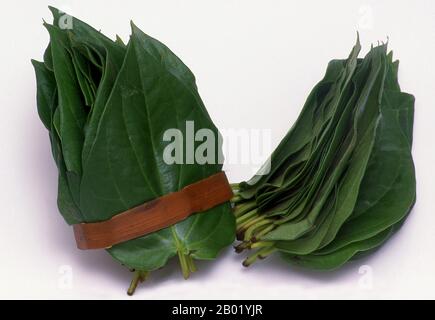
133, 27
54, 11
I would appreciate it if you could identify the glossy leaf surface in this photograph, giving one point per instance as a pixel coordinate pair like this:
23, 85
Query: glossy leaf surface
107, 106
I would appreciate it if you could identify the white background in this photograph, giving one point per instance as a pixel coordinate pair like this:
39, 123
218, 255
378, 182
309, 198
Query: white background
255, 62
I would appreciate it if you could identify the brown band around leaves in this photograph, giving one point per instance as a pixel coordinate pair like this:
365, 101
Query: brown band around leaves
154, 215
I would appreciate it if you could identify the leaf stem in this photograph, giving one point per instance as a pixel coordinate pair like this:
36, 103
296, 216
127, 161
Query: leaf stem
191, 263
246, 216
268, 251
250, 218
250, 231
262, 244
246, 224
138, 277
264, 231
243, 208
262, 253
242, 246
251, 259
185, 270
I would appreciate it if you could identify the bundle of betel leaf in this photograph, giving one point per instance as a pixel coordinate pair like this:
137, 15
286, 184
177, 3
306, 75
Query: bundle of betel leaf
106, 106
342, 180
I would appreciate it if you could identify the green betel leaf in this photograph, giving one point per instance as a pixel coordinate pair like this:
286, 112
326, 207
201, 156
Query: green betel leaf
120, 173
340, 257
108, 106
342, 181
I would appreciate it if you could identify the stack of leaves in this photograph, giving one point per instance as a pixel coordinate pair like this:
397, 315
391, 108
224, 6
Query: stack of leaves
106, 106
342, 180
